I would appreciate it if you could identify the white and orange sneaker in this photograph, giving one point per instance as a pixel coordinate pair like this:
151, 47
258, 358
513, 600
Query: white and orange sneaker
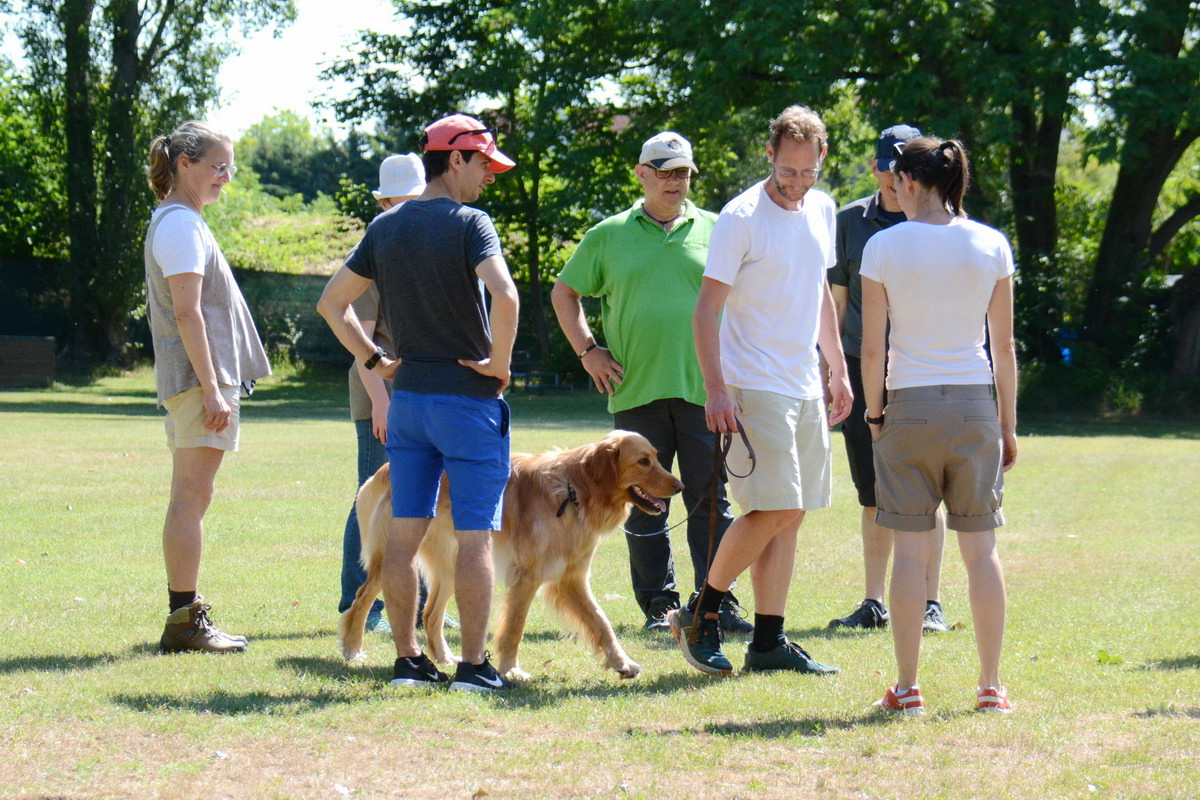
993, 699
907, 702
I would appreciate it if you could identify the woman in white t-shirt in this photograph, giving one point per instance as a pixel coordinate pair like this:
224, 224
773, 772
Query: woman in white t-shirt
207, 353
942, 436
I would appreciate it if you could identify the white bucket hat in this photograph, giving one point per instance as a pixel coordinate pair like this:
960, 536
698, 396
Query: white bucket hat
401, 176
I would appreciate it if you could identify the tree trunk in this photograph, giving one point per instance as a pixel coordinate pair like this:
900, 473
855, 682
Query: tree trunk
118, 268
1149, 154
1033, 160
75, 16
533, 230
1185, 308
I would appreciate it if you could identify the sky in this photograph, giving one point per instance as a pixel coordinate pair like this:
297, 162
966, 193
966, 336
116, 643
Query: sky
282, 72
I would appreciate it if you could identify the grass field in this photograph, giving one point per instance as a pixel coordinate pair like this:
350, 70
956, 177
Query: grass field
1102, 655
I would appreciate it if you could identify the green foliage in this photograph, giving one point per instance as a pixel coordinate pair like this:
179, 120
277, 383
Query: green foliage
258, 230
291, 158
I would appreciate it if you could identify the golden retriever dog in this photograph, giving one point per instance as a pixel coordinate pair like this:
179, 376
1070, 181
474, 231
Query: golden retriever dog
556, 507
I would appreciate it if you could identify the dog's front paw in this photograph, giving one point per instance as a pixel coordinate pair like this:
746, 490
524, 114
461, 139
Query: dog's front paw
354, 655
517, 674
629, 670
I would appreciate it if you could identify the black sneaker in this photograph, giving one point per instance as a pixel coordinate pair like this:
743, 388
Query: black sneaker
699, 641
481, 678
934, 622
732, 619
656, 613
869, 614
787, 656
418, 671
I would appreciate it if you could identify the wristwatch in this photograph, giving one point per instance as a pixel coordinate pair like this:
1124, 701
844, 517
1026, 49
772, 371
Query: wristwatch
370, 363
872, 420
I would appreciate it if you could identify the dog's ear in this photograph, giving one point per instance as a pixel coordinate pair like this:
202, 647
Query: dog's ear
606, 467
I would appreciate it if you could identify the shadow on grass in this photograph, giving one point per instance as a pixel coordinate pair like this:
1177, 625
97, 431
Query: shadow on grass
235, 704
1183, 662
56, 663
789, 728
334, 668
1169, 711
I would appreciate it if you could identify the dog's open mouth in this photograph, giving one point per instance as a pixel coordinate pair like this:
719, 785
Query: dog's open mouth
647, 502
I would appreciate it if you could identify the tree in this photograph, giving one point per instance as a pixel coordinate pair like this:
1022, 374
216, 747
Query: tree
289, 157
111, 75
533, 71
1151, 94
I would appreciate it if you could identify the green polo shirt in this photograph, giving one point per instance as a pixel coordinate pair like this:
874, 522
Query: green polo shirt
647, 281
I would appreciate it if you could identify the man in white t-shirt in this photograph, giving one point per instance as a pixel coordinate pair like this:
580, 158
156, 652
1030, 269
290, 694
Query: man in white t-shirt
766, 267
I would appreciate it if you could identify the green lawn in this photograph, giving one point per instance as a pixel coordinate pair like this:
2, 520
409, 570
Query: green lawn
1100, 553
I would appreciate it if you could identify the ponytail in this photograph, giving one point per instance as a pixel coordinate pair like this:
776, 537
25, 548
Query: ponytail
192, 139
938, 164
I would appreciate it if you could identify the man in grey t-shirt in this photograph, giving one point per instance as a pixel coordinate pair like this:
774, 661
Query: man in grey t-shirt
431, 259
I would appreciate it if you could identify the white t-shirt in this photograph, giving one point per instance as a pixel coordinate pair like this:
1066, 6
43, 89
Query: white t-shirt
774, 260
182, 243
939, 281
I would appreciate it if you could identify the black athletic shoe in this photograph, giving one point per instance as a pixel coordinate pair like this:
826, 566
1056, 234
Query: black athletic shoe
869, 614
482, 678
656, 613
418, 671
732, 620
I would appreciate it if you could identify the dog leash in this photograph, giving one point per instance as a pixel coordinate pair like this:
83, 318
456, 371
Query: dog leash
720, 457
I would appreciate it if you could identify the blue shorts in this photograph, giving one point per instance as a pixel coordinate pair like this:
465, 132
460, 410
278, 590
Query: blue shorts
467, 437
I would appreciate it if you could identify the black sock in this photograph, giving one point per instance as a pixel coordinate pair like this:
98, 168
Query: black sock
768, 633
178, 600
877, 603
708, 602
929, 603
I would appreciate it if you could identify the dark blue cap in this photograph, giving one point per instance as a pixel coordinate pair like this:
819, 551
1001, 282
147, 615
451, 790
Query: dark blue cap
885, 149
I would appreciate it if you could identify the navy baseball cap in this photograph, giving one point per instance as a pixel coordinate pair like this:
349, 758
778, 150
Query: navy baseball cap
885, 149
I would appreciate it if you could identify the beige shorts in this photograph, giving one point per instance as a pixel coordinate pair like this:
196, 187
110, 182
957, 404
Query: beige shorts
793, 467
939, 444
185, 420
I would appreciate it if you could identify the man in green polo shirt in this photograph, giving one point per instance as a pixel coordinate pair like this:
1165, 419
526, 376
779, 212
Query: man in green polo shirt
646, 264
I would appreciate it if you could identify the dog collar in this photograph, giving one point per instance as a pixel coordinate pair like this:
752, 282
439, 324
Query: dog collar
571, 498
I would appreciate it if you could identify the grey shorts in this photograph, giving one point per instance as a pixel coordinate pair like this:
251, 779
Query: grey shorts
940, 444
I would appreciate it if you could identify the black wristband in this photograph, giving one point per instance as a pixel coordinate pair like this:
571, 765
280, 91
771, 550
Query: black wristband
872, 420
370, 363
588, 349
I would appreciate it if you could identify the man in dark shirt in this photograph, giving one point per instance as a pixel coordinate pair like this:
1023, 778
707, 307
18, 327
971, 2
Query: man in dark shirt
430, 260
856, 223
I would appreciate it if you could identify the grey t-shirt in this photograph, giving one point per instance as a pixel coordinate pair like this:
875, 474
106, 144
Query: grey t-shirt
422, 256
856, 223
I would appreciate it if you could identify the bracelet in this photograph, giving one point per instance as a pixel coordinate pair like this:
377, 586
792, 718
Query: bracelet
588, 349
370, 363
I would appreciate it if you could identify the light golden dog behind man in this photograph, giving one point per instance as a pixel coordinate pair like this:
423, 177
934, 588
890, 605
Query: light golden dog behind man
556, 507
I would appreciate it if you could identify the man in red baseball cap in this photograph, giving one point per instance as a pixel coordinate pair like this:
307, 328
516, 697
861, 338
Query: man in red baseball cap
431, 260
460, 132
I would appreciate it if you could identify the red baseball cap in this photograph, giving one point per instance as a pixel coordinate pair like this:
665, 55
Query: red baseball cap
460, 132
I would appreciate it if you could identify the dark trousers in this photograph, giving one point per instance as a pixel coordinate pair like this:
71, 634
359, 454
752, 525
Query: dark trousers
371, 456
676, 428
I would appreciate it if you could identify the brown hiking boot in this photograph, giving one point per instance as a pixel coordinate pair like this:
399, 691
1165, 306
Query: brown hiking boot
189, 628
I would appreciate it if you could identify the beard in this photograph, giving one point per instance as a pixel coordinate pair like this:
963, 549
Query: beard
793, 195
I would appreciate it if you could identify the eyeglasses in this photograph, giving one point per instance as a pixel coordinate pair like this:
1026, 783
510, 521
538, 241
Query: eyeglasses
682, 173
788, 172
224, 169
479, 132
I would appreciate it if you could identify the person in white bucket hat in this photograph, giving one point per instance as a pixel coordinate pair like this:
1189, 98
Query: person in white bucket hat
401, 178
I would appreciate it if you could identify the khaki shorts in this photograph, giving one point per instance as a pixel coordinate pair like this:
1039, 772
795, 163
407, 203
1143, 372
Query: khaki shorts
185, 420
791, 445
939, 444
